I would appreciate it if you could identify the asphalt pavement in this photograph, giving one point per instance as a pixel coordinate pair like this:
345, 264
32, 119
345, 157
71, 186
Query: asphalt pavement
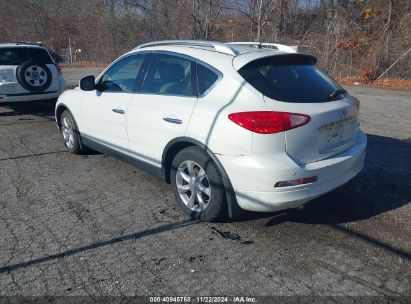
93, 225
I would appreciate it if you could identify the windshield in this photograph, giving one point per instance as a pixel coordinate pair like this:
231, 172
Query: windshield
290, 79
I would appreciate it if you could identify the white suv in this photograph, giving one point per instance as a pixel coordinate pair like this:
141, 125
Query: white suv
231, 126
28, 72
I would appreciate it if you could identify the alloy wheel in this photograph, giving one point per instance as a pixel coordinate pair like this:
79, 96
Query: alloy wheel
193, 185
68, 132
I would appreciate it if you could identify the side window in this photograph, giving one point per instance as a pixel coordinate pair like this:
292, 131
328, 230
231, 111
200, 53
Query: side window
169, 75
122, 76
206, 78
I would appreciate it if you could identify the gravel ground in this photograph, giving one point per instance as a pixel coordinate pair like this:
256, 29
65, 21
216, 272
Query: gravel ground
92, 225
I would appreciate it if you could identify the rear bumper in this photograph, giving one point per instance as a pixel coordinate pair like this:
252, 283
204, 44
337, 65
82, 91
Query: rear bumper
253, 178
28, 96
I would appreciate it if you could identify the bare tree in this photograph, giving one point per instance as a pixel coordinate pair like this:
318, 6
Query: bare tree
204, 16
259, 12
350, 37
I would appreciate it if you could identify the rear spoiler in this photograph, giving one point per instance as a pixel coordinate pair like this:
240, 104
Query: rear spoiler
280, 59
283, 59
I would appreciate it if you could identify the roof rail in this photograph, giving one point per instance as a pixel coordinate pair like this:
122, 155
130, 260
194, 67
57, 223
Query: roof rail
280, 47
39, 43
218, 46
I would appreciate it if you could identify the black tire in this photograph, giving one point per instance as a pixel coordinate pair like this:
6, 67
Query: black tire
75, 147
217, 205
43, 74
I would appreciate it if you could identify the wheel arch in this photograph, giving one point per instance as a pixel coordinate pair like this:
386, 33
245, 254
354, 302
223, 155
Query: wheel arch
60, 108
180, 143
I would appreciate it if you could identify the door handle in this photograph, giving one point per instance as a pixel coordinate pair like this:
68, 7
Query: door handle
173, 120
119, 111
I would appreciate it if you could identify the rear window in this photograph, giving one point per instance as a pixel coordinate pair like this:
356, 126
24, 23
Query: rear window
16, 56
290, 78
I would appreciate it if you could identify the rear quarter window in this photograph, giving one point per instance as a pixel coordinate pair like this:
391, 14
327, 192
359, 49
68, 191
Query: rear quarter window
16, 56
290, 78
206, 78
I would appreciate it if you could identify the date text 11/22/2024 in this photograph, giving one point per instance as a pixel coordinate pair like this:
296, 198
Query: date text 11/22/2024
203, 299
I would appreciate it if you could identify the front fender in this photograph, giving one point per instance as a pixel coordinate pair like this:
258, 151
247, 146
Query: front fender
71, 100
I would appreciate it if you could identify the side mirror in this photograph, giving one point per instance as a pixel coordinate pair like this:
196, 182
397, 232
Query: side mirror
88, 83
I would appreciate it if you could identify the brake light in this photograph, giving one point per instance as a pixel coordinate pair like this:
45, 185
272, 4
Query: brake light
268, 122
58, 67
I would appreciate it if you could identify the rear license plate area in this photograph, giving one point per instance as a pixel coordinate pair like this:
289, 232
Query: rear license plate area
336, 135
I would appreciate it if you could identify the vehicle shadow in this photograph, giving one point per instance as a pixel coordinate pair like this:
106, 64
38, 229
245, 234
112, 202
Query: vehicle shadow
383, 185
99, 244
40, 108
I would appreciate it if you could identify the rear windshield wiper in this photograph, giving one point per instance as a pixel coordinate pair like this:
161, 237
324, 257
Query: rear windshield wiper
336, 93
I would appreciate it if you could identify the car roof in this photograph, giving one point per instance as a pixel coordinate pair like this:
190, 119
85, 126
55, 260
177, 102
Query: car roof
217, 53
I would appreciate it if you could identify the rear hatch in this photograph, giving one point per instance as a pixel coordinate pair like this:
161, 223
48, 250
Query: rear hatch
291, 83
12, 57
332, 129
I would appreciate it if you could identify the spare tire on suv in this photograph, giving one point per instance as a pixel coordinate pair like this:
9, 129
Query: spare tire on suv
34, 76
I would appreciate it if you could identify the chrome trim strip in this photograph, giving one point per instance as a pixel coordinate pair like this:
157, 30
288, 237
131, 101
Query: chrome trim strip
338, 122
141, 164
4, 84
125, 151
158, 94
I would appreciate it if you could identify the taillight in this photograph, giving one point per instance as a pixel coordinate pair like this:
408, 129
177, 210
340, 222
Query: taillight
58, 67
268, 122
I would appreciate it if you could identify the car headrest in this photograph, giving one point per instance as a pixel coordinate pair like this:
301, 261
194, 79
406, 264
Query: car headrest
171, 72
